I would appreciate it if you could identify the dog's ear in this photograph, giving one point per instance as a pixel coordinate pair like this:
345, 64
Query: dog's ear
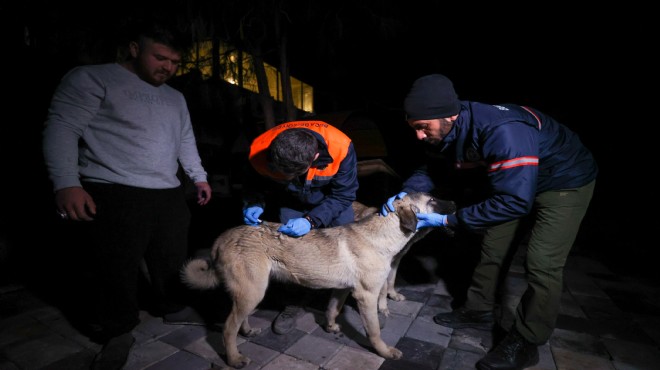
408, 218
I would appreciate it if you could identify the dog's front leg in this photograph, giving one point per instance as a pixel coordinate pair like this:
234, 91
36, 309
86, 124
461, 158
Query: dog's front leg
368, 306
335, 305
391, 278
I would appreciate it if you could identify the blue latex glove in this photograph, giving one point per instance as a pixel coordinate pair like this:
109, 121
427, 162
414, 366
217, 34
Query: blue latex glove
389, 205
251, 215
430, 220
296, 227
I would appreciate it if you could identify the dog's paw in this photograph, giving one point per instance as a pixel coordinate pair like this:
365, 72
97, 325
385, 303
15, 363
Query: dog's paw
385, 311
334, 328
251, 333
394, 354
239, 362
397, 297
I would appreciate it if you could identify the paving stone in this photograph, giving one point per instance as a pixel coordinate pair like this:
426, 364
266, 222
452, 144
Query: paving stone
456, 359
184, 336
580, 284
211, 348
423, 354
415, 295
49, 347
147, 354
351, 358
546, 360
314, 349
570, 360
644, 356
407, 308
426, 331
259, 355
277, 342
181, 360
578, 342
395, 328
287, 362
310, 321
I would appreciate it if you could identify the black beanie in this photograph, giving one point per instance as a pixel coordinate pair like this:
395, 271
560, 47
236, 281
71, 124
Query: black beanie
430, 97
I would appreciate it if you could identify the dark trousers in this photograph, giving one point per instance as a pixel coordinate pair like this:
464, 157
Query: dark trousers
556, 222
132, 226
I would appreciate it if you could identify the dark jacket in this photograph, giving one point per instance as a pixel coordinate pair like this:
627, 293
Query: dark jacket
331, 184
522, 152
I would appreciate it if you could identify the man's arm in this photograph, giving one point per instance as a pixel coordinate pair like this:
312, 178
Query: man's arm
343, 190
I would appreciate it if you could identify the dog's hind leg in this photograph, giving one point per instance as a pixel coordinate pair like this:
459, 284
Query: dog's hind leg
246, 295
367, 305
337, 300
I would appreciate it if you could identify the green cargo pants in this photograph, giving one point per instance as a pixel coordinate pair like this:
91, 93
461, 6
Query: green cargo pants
557, 218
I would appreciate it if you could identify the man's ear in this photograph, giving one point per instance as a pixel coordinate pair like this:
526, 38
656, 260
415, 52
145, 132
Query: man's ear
133, 49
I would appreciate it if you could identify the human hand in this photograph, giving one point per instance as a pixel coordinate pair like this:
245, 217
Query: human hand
251, 215
203, 192
75, 204
389, 205
430, 220
296, 227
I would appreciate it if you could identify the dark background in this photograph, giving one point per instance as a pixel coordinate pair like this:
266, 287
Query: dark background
593, 68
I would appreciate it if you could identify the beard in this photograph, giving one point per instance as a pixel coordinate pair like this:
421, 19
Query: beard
432, 141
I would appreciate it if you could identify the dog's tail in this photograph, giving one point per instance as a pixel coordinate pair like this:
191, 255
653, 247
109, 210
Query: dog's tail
199, 273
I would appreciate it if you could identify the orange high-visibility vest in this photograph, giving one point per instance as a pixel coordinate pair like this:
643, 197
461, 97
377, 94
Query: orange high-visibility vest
337, 142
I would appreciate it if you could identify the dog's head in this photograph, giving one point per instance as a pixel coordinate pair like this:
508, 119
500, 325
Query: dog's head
417, 202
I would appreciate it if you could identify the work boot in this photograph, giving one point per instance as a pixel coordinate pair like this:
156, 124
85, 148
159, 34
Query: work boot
286, 320
513, 353
114, 354
463, 318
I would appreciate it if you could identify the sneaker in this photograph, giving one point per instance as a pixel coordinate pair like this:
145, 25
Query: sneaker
187, 316
286, 320
464, 318
513, 353
114, 354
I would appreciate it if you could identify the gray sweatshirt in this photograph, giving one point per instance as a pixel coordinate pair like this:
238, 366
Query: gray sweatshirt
107, 125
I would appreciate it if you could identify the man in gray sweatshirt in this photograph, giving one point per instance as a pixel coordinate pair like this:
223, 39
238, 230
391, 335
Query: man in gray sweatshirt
114, 140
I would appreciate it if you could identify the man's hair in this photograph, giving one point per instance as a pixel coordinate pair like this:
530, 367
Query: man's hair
292, 151
159, 29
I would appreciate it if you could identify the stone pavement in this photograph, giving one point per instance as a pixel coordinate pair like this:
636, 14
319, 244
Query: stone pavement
607, 321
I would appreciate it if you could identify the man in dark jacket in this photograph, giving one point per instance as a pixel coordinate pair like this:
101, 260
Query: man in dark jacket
531, 165
312, 171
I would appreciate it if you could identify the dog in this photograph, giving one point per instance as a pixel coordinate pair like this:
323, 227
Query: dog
360, 211
355, 258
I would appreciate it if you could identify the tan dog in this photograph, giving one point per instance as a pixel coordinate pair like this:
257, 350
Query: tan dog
388, 291
356, 257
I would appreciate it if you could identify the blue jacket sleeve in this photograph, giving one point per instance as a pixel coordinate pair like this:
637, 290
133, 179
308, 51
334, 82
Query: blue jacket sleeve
419, 181
343, 191
511, 151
